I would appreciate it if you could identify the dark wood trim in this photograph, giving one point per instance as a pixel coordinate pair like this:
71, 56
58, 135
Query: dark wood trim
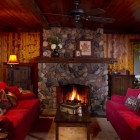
135, 40
41, 43
74, 60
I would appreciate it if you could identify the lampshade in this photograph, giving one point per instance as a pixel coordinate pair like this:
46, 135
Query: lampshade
12, 60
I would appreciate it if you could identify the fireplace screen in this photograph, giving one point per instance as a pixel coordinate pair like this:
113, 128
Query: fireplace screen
73, 93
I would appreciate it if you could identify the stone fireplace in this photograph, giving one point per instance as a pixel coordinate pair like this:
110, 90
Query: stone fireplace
93, 75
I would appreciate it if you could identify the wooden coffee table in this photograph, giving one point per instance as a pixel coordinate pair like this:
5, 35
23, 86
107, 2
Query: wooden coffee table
67, 120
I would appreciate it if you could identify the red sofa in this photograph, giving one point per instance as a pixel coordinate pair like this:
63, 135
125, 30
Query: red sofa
18, 119
123, 118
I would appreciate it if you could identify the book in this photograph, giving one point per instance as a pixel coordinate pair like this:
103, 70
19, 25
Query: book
69, 108
71, 105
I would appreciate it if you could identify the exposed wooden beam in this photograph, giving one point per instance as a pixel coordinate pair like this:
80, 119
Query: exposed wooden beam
36, 12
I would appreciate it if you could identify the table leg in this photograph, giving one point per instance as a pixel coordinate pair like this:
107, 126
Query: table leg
56, 131
88, 132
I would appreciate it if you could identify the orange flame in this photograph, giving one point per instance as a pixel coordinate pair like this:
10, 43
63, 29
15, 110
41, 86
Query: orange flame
75, 94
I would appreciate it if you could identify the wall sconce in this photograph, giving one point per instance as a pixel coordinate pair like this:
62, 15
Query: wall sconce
12, 60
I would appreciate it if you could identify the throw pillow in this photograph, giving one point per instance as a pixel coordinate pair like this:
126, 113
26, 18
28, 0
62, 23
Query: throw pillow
133, 103
2, 85
5, 105
12, 99
20, 89
138, 96
4, 102
26, 91
3, 96
132, 92
14, 90
2, 111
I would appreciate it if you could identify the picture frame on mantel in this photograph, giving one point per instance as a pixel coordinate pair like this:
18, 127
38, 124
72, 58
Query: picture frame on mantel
85, 47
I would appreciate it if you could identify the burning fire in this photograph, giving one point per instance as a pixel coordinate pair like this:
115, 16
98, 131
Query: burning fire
75, 95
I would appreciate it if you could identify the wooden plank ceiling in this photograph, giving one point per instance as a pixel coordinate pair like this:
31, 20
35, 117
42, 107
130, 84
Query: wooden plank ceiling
26, 15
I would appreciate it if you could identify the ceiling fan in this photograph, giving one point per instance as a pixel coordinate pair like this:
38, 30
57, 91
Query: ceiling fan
79, 14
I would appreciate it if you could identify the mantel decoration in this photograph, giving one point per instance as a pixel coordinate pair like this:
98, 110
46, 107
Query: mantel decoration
55, 45
85, 46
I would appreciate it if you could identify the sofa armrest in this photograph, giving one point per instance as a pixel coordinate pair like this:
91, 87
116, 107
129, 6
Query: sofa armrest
117, 98
15, 90
27, 96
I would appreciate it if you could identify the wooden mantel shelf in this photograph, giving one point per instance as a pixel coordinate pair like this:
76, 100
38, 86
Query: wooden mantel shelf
74, 60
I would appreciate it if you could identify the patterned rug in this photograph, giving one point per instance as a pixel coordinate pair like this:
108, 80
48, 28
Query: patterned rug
44, 129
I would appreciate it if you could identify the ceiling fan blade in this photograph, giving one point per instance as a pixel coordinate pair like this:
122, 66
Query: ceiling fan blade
96, 11
56, 14
99, 19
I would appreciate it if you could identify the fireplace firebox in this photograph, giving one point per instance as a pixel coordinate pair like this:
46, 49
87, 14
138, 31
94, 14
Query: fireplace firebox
75, 93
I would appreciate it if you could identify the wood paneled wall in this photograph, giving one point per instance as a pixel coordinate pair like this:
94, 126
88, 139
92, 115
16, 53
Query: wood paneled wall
26, 45
1, 56
119, 46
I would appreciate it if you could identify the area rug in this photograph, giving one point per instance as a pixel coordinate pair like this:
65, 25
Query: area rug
44, 129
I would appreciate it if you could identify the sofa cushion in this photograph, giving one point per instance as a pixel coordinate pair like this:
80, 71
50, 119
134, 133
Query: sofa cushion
114, 106
117, 98
2, 85
132, 92
17, 116
28, 104
14, 90
28, 96
4, 102
12, 99
132, 119
133, 103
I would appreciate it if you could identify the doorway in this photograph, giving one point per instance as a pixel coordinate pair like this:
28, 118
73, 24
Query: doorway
136, 48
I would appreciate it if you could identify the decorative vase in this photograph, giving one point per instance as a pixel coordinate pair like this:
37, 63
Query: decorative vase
55, 53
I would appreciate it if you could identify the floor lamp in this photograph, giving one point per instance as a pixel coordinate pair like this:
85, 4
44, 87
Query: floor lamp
12, 61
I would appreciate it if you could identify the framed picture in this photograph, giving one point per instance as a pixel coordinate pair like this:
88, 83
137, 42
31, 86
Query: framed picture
85, 46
